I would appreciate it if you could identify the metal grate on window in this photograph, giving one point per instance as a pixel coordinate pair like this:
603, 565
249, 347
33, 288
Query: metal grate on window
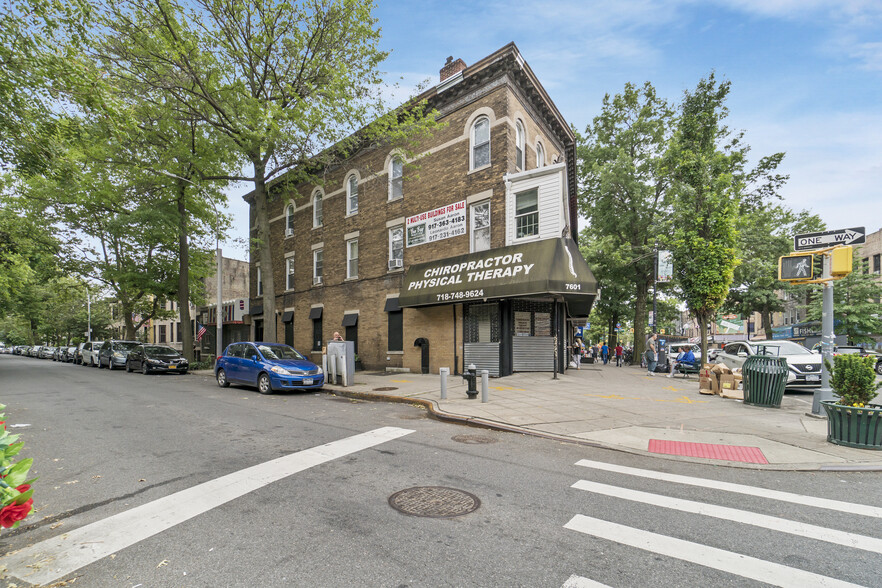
481, 323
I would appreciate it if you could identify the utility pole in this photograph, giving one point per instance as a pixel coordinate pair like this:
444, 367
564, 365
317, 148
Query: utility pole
825, 392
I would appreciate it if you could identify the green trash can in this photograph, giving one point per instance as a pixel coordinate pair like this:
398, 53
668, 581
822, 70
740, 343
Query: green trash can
764, 379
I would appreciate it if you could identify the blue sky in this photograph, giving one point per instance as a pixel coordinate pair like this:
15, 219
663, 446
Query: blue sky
806, 74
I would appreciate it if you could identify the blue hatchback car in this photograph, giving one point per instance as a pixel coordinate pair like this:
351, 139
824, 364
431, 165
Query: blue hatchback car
269, 366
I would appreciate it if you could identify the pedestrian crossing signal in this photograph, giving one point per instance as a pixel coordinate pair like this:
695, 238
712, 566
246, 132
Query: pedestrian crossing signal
796, 268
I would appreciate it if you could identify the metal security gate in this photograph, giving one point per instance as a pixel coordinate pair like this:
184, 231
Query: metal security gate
485, 356
533, 354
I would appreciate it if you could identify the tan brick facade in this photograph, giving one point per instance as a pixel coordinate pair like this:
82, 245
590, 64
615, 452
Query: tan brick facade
441, 175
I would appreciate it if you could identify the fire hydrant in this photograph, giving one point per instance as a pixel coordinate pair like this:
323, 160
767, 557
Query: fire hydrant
471, 378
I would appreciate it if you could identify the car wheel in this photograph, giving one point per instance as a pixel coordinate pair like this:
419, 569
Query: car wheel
144, 369
110, 364
222, 379
128, 367
879, 368
264, 386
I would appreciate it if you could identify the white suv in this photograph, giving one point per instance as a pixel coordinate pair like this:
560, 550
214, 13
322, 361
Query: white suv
90, 353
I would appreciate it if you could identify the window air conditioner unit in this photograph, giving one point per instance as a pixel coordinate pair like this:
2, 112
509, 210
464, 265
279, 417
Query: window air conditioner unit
289, 232
317, 281
396, 264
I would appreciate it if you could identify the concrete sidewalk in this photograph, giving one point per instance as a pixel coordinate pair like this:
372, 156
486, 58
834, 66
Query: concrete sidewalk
624, 408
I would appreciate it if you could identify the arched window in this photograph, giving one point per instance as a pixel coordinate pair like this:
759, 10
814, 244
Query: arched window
317, 209
480, 143
519, 145
352, 195
396, 178
540, 155
289, 223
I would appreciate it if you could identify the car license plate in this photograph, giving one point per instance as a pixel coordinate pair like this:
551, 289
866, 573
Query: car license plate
307, 381
172, 367
812, 378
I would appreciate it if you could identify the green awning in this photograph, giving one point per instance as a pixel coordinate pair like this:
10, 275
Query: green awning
549, 267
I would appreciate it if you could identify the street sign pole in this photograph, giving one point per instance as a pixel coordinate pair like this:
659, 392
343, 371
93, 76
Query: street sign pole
827, 338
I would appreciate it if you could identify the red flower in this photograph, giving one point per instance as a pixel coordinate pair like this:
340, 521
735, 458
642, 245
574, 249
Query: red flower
11, 514
24, 488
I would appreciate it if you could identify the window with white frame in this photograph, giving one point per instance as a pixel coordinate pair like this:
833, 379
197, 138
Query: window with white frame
317, 266
352, 258
317, 209
527, 214
396, 178
480, 143
480, 220
519, 145
289, 223
352, 195
540, 155
289, 273
259, 283
396, 248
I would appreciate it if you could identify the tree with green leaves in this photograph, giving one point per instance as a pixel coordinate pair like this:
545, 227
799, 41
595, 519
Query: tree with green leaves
857, 312
283, 81
624, 190
764, 234
711, 181
615, 303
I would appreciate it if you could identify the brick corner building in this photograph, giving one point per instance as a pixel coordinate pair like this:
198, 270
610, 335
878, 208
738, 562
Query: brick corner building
471, 259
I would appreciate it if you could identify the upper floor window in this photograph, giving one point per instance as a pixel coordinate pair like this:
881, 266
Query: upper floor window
527, 214
540, 155
289, 273
519, 145
480, 218
481, 143
396, 248
289, 222
259, 283
396, 178
352, 195
317, 266
352, 259
317, 210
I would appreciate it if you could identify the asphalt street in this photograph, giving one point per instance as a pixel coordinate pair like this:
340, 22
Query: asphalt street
151, 453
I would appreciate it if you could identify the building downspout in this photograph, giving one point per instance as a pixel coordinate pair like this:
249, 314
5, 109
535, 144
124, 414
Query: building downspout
455, 356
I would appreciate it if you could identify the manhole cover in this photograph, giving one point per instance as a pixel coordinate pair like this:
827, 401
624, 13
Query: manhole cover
434, 501
473, 439
385, 389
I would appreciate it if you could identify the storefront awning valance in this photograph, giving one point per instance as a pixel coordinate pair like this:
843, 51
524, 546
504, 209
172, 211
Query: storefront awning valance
350, 320
288, 316
315, 313
549, 267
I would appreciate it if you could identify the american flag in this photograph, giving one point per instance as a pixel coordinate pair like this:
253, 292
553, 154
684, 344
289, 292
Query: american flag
200, 331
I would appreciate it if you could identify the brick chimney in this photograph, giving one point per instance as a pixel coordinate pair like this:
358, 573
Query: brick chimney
452, 67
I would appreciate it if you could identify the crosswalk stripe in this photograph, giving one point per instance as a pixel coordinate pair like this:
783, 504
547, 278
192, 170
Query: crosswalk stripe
847, 507
719, 559
49, 560
739, 516
575, 581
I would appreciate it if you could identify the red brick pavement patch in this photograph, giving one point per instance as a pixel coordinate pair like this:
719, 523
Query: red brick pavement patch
708, 451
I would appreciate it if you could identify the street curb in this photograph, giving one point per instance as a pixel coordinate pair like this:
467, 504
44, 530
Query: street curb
438, 414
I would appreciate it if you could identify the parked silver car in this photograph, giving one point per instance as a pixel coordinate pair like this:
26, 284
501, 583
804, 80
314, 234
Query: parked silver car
804, 366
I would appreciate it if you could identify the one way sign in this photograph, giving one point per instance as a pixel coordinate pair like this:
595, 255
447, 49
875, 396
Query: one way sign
810, 241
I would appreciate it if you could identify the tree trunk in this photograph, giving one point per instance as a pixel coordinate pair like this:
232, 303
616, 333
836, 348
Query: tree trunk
185, 330
128, 322
767, 322
261, 206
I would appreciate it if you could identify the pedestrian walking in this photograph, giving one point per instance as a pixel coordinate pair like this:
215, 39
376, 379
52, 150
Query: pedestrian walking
604, 352
651, 353
619, 353
577, 353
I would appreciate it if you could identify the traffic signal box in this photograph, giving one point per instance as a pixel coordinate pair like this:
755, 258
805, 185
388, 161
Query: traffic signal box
796, 268
809, 267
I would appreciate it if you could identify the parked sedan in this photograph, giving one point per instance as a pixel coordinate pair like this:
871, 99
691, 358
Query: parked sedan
113, 353
269, 366
156, 358
46, 352
804, 366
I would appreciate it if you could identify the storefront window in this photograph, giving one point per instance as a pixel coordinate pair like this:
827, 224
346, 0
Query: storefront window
482, 323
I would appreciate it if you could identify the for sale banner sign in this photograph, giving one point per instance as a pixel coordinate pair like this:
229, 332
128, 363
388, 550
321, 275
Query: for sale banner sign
435, 225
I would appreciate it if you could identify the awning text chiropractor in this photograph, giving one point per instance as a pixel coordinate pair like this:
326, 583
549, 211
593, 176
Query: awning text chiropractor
502, 266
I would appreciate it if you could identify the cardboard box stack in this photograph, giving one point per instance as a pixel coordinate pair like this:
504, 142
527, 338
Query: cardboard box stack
719, 379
